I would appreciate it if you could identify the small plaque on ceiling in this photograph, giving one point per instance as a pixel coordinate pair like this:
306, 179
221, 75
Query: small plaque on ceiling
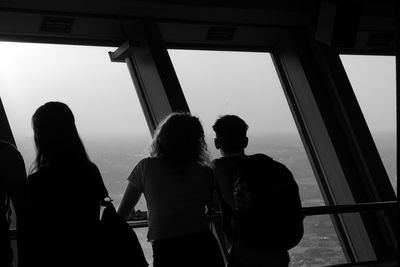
221, 33
57, 24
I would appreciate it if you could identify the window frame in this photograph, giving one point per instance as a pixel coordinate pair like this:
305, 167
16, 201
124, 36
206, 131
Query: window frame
160, 93
333, 118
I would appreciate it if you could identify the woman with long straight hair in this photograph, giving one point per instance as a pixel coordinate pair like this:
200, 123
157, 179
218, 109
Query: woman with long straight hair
65, 189
177, 185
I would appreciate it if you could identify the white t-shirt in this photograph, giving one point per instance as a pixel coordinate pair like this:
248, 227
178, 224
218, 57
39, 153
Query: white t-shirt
176, 199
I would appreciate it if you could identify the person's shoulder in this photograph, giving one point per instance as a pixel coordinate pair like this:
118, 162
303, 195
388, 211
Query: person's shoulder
267, 162
9, 152
149, 161
6, 145
142, 164
264, 159
200, 166
219, 163
260, 157
274, 165
32, 178
88, 169
92, 167
38, 176
223, 165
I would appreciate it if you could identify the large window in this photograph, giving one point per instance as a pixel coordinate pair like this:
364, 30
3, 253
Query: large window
373, 79
100, 94
247, 85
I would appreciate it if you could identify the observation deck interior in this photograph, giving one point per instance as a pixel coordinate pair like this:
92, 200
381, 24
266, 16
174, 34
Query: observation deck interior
305, 40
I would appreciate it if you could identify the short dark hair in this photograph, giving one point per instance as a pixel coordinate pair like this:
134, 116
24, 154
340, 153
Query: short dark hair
230, 130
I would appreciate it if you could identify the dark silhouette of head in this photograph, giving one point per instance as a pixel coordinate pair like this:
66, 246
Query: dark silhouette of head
180, 138
230, 133
56, 137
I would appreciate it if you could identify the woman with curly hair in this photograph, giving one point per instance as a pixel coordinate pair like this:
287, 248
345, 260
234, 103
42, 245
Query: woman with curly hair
177, 185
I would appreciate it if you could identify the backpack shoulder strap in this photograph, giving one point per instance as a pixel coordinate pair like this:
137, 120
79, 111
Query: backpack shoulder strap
238, 163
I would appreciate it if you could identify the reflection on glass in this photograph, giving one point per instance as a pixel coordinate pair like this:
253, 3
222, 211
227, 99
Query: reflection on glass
100, 94
247, 85
373, 79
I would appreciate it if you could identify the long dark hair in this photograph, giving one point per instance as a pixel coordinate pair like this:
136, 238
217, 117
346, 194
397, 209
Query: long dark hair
56, 138
180, 138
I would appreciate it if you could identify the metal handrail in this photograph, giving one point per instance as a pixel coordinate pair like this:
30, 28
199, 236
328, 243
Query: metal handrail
352, 208
312, 211
307, 211
389, 263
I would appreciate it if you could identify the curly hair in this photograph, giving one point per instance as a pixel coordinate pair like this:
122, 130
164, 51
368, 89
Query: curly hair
180, 138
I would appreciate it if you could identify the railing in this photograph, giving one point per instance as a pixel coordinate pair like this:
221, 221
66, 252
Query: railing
140, 218
311, 211
140, 221
368, 264
360, 207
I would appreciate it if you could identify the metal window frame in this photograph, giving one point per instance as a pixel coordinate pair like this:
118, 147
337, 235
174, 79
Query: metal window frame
160, 93
296, 81
325, 135
152, 72
345, 159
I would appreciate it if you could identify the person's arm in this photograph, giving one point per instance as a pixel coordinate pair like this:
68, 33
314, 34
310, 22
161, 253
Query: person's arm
133, 191
129, 201
224, 177
102, 192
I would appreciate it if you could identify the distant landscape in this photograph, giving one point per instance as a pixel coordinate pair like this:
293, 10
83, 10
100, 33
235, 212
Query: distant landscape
117, 155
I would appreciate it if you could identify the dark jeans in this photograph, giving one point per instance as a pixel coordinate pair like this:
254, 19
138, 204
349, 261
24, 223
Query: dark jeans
192, 250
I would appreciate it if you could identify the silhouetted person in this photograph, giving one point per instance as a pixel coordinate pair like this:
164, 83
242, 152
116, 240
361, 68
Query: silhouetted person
260, 203
177, 186
13, 187
65, 189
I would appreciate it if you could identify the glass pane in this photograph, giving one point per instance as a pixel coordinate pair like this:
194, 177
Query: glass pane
247, 85
373, 79
319, 246
101, 95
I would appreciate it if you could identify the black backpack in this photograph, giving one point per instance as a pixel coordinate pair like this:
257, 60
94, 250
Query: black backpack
267, 203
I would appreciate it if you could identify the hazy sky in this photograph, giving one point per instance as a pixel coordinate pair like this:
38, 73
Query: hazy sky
103, 99
373, 79
245, 84
100, 93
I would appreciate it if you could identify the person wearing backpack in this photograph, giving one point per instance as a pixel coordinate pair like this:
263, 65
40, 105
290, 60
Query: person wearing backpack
260, 203
13, 188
